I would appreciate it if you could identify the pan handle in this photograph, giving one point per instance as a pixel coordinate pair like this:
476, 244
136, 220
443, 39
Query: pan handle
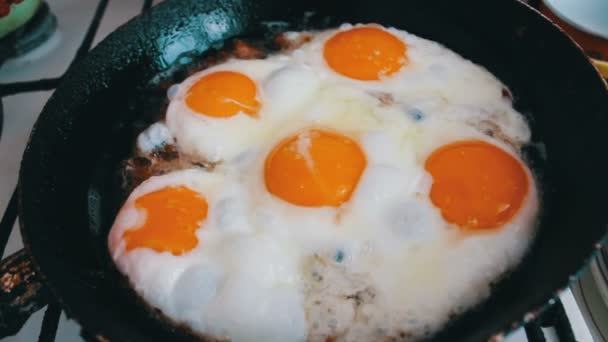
21, 292
602, 66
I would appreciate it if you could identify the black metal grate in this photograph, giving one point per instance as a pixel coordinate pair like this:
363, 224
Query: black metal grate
554, 317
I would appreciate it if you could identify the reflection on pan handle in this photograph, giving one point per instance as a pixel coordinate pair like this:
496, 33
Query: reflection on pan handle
602, 66
21, 292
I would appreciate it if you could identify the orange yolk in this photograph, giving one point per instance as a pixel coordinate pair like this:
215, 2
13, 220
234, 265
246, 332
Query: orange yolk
173, 215
223, 94
314, 168
476, 184
365, 53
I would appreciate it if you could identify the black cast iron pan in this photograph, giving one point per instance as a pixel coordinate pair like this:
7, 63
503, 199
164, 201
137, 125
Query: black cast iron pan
69, 191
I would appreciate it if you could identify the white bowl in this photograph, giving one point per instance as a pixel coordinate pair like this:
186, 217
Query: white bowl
590, 16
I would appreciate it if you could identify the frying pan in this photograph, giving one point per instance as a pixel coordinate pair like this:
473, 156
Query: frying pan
69, 190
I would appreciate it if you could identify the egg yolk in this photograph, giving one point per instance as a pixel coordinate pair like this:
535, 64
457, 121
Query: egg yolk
314, 168
223, 94
173, 215
476, 184
365, 53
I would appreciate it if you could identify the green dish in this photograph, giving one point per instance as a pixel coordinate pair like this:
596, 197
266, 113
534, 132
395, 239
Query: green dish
19, 15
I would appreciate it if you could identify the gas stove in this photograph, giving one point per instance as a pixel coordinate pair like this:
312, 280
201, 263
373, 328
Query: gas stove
27, 81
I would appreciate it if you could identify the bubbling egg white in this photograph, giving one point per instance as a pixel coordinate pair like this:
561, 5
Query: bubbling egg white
389, 242
409, 262
281, 88
435, 81
382, 261
231, 265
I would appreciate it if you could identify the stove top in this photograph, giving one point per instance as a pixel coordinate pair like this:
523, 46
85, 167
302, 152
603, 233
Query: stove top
27, 82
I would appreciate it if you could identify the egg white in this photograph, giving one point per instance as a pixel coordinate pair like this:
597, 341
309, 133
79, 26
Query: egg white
231, 265
425, 270
282, 88
154, 137
435, 81
390, 235
269, 270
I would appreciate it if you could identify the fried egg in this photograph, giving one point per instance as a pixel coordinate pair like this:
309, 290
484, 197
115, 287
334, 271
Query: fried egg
419, 75
412, 266
221, 111
186, 243
371, 187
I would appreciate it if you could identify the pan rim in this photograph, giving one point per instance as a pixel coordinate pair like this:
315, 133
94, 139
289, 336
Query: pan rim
27, 222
